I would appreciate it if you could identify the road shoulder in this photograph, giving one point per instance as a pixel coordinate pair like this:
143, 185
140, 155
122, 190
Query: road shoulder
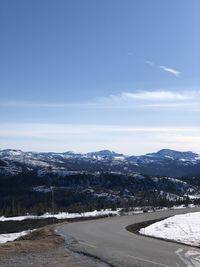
42, 247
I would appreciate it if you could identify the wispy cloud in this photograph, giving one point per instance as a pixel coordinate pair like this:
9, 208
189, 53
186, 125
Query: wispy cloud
164, 68
156, 95
161, 99
150, 63
90, 137
128, 100
152, 96
27, 104
170, 70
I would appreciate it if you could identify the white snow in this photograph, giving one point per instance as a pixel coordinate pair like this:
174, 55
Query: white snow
193, 196
183, 160
168, 196
42, 189
119, 157
95, 213
183, 228
169, 157
63, 215
11, 237
179, 207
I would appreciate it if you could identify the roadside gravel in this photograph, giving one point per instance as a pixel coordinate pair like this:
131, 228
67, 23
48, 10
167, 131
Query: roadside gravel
41, 248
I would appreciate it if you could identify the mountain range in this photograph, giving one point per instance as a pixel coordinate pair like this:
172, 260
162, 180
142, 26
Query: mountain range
164, 162
95, 180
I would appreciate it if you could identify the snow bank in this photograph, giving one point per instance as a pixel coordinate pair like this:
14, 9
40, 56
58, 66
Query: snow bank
95, 213
182, 228
63, 215
11, 237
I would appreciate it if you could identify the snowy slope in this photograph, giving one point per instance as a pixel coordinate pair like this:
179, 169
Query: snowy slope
13, 236
181, 228
164, 162
104, 175
63, 215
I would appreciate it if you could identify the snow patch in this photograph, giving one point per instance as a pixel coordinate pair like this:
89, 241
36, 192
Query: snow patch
181, 228
63, 215
13, 236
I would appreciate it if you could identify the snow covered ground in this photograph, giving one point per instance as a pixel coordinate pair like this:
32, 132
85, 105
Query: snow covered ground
11, 237
95, 213
187, 232
181, 228
63, 215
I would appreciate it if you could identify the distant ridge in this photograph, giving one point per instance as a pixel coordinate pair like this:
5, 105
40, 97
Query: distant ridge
163, 162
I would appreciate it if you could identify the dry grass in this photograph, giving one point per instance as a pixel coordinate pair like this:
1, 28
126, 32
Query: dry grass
42, 247
42, 239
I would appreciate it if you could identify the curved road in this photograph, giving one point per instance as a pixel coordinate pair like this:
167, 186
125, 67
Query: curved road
108, 240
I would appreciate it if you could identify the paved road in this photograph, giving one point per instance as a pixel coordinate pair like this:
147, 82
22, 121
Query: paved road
108, 240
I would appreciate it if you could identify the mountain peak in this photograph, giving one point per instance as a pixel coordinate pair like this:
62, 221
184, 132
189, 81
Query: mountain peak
13, 152
104, 153
174, 154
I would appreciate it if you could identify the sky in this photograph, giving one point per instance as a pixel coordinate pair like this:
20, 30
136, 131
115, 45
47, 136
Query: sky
92, 75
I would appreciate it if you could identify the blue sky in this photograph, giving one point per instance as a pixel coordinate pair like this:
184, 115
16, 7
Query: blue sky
89, 75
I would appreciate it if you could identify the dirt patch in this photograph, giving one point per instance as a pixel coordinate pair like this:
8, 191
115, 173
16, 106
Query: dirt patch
18, 226
42, 247
48, 258
41, 239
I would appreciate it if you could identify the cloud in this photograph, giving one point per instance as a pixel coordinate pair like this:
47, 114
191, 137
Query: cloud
150, 63
124, 100
167, 69
157, 95
162, 99
161, 96
170, 70
90, 137
189, 106
27, 104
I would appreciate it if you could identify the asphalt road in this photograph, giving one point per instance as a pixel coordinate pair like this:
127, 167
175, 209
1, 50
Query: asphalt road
108, 240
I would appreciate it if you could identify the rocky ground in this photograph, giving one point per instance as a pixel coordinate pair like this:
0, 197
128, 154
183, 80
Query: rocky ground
42, 247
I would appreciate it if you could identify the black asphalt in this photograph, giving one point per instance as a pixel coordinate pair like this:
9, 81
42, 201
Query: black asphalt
108, 240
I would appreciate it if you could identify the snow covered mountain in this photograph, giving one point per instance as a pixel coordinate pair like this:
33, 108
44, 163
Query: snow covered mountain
100, 179
164, 162
175, 155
